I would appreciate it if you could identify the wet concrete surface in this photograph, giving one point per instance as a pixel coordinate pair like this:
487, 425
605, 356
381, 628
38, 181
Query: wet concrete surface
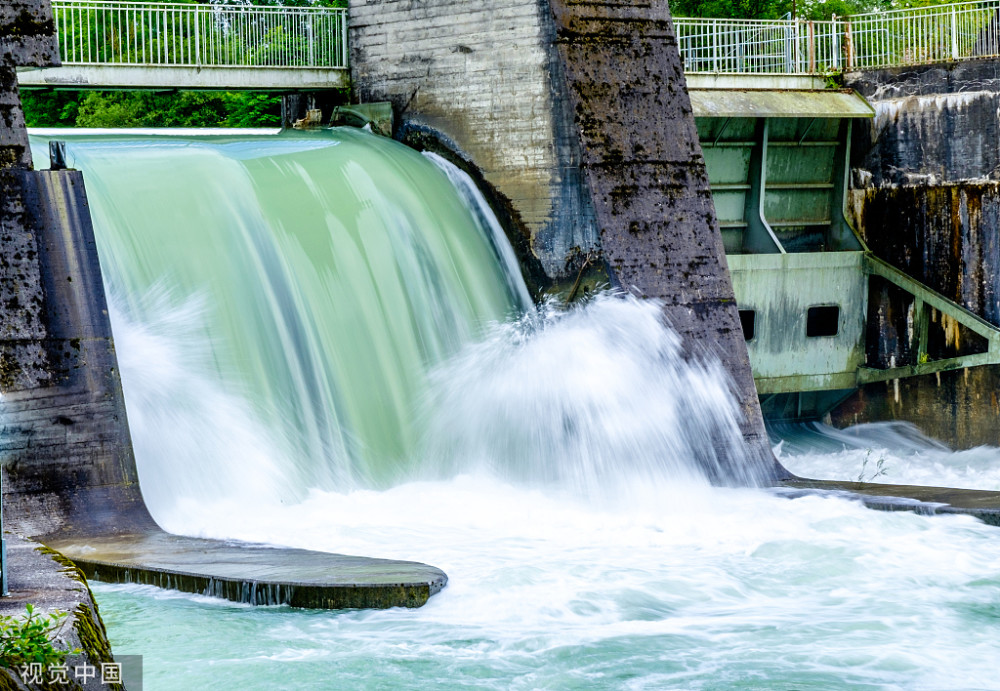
253, 573
984, 505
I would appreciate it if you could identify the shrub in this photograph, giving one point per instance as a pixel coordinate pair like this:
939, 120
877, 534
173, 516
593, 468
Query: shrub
28, 640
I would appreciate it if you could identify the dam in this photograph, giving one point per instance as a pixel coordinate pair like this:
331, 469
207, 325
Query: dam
327, 343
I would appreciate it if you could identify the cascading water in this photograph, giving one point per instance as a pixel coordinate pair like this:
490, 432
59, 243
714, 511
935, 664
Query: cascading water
551, 459
284, 297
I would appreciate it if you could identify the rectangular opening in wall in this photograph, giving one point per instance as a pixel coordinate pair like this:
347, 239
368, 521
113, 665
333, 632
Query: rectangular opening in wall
748, 320
823, 320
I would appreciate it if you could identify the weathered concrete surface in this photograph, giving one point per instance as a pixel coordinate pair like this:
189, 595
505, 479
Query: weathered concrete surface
925, 500
481, 82
66, 451
947, 236
933, 124
646, 174
926, 198
960, 408
166, 77
27, 34
256, 574
27, 37
50, 583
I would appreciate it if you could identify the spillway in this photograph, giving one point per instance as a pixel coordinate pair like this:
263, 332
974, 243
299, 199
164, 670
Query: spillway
280, 299
324, 344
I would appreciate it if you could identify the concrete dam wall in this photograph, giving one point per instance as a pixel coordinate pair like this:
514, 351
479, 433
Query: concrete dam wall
926, 198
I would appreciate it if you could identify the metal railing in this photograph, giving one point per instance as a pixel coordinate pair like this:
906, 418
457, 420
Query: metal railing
926, 35
881, 39
758, 46
106, 32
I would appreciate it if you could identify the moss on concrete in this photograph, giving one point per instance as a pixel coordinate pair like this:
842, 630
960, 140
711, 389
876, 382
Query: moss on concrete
87, 622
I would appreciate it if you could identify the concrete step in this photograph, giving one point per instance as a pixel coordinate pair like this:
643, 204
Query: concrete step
252, 573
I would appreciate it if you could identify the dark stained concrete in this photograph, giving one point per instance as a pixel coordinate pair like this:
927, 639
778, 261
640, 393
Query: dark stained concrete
926, 198
643, 164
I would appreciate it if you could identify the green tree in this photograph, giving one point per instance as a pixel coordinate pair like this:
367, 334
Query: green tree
775, 9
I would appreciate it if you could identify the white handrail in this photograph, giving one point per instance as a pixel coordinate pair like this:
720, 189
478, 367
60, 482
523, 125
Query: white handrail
893, 38
103, 32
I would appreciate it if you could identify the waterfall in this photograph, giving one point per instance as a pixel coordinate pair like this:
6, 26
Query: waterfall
333, 311
278, 300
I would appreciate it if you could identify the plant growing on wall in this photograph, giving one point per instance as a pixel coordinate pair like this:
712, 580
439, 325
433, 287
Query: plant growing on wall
28, 640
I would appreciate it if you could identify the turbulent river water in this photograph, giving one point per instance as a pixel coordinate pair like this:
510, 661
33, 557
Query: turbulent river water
548, 461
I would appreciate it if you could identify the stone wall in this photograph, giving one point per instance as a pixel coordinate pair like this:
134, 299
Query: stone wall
926, 198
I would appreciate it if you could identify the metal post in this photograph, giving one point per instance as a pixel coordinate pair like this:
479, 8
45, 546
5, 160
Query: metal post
312, 40
811, 49
836, 47
197, 35
715, 45
954, 34
850, 45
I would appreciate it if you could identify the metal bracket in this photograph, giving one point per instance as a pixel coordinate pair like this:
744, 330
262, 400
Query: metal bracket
925, 297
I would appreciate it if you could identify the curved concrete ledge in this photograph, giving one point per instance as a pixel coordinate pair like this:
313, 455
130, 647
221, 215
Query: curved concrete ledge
253, 573
983, 505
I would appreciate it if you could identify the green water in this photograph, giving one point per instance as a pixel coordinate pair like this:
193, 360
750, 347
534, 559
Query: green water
325, 272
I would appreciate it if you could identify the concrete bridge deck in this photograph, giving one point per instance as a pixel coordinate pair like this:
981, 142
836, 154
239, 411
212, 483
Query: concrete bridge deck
171, 77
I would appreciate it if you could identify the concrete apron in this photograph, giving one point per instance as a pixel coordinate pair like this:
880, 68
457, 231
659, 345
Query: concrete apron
927, 501
253, 573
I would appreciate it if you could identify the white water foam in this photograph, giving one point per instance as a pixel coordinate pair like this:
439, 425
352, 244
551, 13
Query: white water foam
182, 421
908, 457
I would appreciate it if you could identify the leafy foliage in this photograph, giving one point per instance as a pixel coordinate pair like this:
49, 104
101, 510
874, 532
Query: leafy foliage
148, 109
29, 640
776, 9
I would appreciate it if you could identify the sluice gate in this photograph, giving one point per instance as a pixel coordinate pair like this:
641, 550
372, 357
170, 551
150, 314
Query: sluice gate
819, 311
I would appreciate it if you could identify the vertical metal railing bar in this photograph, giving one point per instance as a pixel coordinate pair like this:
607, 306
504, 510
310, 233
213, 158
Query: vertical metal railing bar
93, 32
